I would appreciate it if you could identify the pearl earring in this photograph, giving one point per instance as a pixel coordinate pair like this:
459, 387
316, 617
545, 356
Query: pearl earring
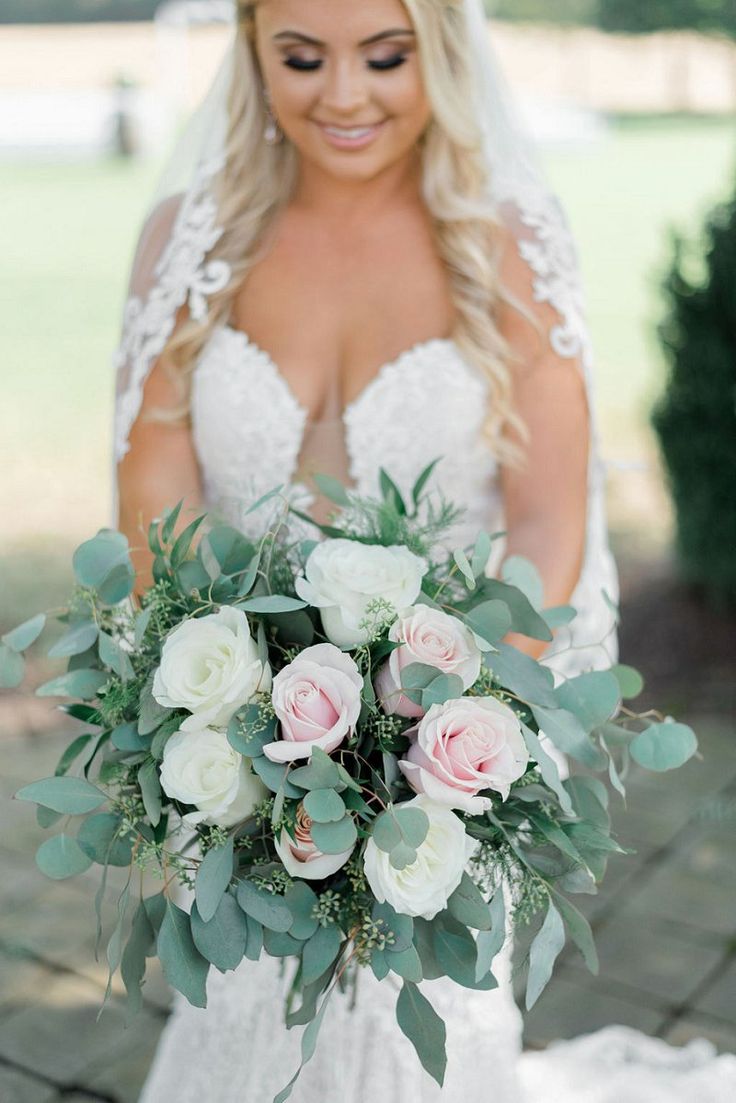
272, 133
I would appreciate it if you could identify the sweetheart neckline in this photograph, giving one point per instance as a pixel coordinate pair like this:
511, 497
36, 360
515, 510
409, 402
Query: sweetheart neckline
348, 409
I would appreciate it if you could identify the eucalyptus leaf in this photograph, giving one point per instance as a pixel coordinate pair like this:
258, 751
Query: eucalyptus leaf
150, 713
113, 655
150, 787
309, 1044
333, 489
519, 571
490, 620
274, 776
78, 638
281, 943
664, 746
84, 684
489, 943
61, 856
324, 805
481, 553
302, 901
398, 928
579, 929
71, 795
421, 1024
72, 752
183, 542
524, 617
455, 950
567, 734
522, 675
557, 616
630, 681
103, 563
140, 945
267, 908
593, 697
334, 838
320, 773
213, 877
463, 564
548, 768
98, 838
221, 939
142, 620
271, 603
545, 950
468, 906
406, 963
21, 638
254, 943
320, 952
183, 965
126, 738
12, 668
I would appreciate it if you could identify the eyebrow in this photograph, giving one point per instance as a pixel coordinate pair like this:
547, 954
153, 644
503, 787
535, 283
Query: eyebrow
300, 37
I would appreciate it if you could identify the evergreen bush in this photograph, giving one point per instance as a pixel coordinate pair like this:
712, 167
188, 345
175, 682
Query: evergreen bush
695, 418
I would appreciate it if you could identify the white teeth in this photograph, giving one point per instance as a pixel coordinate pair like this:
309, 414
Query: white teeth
352, 132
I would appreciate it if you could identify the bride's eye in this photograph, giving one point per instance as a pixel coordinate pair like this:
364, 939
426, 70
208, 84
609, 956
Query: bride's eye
301, 65
388, 62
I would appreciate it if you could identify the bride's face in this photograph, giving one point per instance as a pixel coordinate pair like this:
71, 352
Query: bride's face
344, 80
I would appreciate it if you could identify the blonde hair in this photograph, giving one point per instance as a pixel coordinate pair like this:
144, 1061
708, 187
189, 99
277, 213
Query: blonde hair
258, 178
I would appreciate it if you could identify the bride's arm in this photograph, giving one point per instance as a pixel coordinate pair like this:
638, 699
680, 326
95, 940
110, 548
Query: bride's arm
545, 500
158, 471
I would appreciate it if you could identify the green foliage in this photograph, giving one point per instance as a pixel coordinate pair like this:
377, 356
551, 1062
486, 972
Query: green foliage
424, 1028
630, 16
78, 11
695, 418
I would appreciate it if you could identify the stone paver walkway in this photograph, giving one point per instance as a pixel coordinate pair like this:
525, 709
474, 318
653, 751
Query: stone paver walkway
665, 926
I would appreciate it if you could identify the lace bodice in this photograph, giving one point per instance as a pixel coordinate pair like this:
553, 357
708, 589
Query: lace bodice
249, 429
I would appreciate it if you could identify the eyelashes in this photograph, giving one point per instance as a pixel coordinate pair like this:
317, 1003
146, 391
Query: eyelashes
311, 66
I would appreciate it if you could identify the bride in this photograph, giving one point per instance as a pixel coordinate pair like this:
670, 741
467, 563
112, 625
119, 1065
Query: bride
353, 262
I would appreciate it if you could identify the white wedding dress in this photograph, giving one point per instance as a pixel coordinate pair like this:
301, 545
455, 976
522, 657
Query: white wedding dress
251, 434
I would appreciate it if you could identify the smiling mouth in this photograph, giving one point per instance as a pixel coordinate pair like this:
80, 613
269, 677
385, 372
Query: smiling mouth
350, 133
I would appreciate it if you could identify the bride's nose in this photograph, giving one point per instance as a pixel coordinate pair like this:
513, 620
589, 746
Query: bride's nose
346, 88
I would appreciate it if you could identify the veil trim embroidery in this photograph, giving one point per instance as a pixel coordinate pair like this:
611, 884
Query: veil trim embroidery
182, 275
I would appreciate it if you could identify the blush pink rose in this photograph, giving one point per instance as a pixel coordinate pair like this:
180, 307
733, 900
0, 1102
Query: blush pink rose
462, 747
431, 637
301, 858
317, 699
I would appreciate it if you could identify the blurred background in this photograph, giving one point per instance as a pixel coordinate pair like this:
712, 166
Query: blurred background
635, 109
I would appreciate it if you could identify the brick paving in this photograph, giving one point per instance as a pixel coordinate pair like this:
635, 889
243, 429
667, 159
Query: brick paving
665, 926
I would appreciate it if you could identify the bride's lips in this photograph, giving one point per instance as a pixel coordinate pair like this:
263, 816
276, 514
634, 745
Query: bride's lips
350, 137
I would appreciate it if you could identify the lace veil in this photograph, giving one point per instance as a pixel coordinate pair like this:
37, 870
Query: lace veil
172, 267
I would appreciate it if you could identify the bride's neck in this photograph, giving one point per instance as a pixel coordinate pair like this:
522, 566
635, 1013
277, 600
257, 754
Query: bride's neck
353, 200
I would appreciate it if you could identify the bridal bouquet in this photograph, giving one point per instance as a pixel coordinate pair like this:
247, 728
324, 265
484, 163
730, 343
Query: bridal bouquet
331, 745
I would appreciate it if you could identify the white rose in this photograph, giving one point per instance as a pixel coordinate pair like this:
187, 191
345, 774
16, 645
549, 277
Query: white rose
434, 638
201, 768
301, 858
423, 887
210, 666
344, 576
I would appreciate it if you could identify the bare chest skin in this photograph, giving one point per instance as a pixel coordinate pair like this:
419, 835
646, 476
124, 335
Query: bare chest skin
332, 304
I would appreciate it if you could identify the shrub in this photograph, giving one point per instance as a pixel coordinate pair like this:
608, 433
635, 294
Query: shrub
695, 418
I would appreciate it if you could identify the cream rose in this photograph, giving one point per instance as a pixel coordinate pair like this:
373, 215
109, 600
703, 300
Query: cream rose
201, 768
300, 856
434, 638
344, 576
462, 747
423, 887
317, 701
210, 666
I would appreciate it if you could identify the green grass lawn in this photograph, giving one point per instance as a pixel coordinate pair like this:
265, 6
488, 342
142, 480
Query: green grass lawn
68, 232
